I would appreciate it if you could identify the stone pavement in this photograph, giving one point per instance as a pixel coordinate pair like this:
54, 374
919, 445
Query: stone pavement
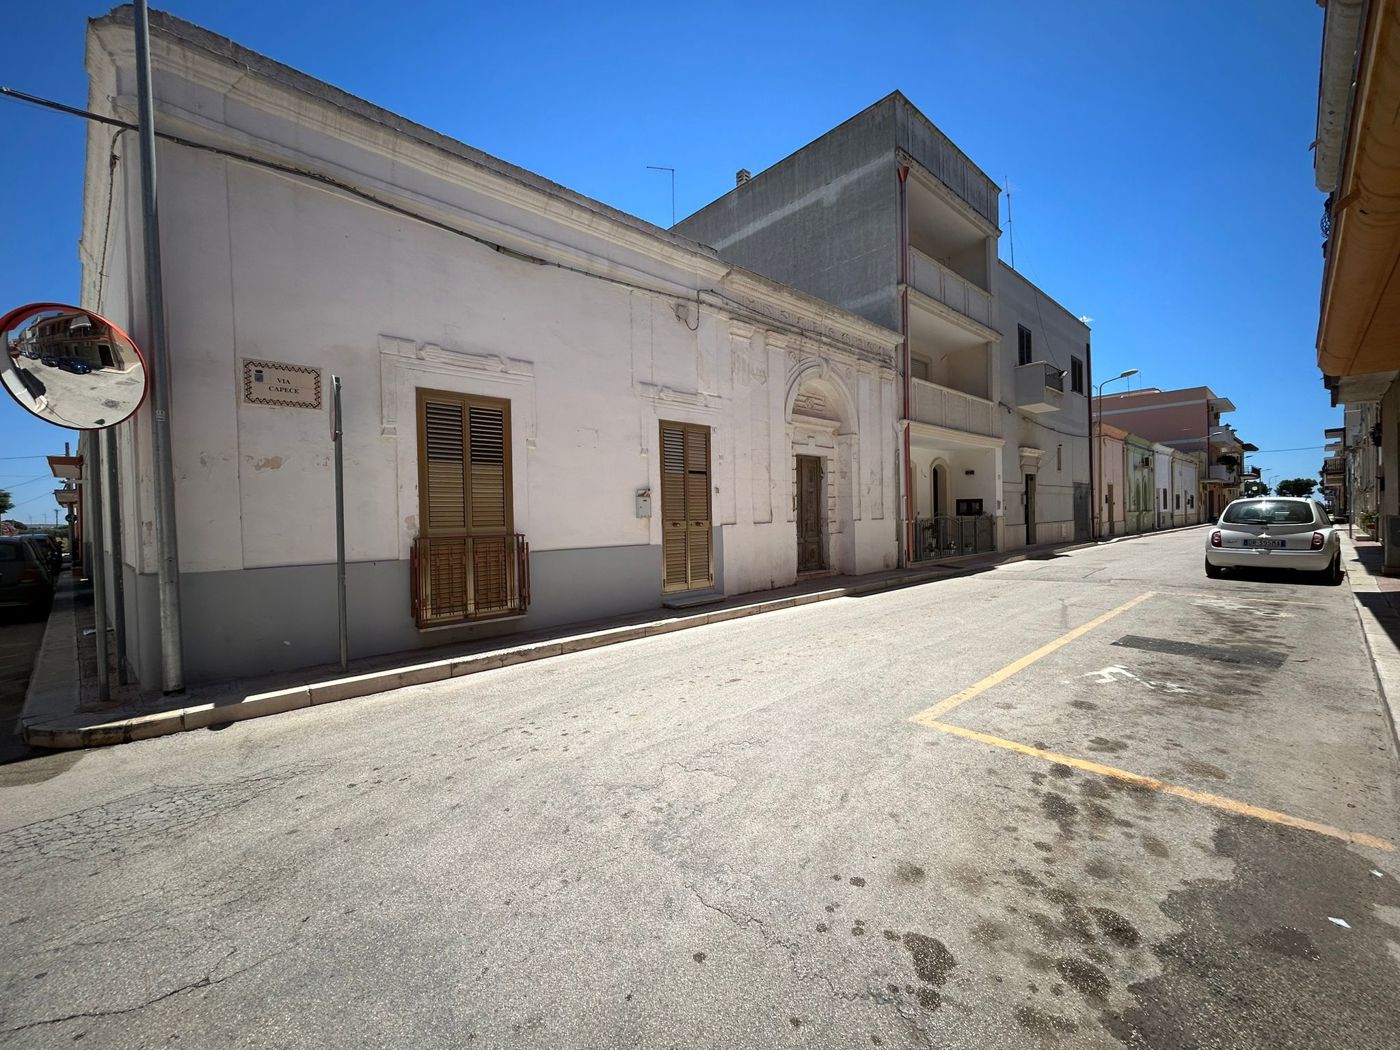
62, 709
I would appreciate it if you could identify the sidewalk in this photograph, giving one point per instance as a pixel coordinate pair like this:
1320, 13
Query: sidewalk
62, 709
1378, 607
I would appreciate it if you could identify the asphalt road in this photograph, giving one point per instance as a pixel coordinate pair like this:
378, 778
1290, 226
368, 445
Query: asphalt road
738, 836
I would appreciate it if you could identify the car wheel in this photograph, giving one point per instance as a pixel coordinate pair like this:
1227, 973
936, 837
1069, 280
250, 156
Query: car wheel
1334, 572
1213, 571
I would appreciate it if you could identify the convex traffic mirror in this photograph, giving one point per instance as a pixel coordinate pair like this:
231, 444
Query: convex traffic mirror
70, 367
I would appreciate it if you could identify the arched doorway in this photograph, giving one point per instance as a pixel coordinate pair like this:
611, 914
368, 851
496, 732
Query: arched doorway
938, 489
822, 431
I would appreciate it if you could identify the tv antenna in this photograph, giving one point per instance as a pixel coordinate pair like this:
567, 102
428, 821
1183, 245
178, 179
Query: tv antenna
657, 167
1010, 229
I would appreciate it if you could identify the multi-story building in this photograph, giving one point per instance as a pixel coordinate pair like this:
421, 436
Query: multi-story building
886, 217
1334, 470
1361, 439
1187, 420
1357, 164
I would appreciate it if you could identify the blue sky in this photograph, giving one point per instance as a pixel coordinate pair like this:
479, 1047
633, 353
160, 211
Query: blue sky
1158, 154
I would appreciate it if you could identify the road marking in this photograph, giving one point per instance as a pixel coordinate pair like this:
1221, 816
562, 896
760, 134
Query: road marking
1230, 805
932, 714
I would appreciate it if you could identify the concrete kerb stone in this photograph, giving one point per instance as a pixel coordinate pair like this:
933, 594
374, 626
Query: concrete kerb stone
257, 705
1380, 646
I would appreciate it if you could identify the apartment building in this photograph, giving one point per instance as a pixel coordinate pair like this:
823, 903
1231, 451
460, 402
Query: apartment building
553, 411
886, 217
1355, 162
1187, 420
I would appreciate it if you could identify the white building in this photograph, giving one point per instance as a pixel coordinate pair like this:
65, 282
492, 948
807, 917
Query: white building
554, 410
1044, 407
885, 216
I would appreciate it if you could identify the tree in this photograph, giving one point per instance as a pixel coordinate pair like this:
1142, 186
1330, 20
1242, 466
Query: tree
1297, 487
5, 501
1255, 488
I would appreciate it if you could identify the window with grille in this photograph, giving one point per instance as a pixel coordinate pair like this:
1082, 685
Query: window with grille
1023, 345
468, 562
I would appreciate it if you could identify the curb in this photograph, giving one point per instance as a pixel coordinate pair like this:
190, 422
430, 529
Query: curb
59, 736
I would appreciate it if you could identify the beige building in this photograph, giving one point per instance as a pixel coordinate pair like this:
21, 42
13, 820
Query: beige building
1188, 420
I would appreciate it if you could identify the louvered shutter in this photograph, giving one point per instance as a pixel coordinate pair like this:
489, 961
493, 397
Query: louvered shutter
490, 512
444, 450
673, 520
685, 506
697, 505
444, 509
467, 566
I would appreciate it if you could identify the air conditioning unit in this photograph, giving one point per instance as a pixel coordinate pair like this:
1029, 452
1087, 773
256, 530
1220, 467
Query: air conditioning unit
1390, 537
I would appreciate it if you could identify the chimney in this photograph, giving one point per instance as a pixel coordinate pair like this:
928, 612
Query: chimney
742, 176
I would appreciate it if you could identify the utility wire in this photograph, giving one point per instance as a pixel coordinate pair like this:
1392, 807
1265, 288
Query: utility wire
326, 180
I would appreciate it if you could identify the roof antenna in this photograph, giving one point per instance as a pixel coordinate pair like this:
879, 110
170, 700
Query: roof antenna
654, 167
1010, 230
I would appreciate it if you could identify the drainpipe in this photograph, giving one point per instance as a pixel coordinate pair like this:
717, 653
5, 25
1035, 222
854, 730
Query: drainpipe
907, 546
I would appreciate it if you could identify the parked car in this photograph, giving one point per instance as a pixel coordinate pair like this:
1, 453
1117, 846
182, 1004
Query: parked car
1275, 532
76, 365
50, 547
25, 581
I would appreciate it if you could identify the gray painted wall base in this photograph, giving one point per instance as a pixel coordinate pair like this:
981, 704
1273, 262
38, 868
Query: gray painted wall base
255, 621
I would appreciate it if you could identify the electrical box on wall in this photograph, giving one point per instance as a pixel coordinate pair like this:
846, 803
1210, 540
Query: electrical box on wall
644, 503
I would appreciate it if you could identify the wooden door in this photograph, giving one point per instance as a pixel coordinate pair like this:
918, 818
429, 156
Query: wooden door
1030, 509
810, 548
685, 507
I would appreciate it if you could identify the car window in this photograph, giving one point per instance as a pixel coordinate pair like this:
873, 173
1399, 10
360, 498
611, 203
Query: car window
10, 552
1268, 512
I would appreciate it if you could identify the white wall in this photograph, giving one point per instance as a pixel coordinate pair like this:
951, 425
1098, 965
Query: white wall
260, 265
1062, 436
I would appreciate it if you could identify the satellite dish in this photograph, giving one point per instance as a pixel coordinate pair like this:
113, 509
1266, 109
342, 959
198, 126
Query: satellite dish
70, 367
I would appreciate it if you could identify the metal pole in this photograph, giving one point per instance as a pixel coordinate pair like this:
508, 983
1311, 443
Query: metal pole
118, 561
95, 571
337, 436
167, 552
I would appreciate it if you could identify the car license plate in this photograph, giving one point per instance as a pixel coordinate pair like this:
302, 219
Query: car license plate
1265, 542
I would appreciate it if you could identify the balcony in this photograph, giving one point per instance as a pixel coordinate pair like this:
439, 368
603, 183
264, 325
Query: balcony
462, 579
1040, 387
952, 290
941, 407
1220, 472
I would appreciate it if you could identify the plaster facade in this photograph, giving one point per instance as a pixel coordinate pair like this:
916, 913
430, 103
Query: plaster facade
408, 261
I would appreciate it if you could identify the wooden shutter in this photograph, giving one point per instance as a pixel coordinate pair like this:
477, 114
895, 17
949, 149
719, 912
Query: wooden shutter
467, 567
685, 507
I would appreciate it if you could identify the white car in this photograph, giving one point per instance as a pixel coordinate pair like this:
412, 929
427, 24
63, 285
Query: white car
1275, 532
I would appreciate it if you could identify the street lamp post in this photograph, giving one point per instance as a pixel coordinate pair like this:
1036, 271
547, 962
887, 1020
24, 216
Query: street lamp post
1098, 425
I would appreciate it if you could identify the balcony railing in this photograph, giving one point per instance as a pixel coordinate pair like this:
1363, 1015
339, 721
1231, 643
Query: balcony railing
460, 579
941, 407
1220, 472
1040, 387
951, 289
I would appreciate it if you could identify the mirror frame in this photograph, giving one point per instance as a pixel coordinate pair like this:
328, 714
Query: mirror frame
32, 308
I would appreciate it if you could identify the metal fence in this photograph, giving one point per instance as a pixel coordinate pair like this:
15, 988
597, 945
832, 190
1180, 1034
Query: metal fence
946, 536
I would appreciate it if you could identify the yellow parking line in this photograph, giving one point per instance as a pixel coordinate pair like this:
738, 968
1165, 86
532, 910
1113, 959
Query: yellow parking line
1217, 801
938, 710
